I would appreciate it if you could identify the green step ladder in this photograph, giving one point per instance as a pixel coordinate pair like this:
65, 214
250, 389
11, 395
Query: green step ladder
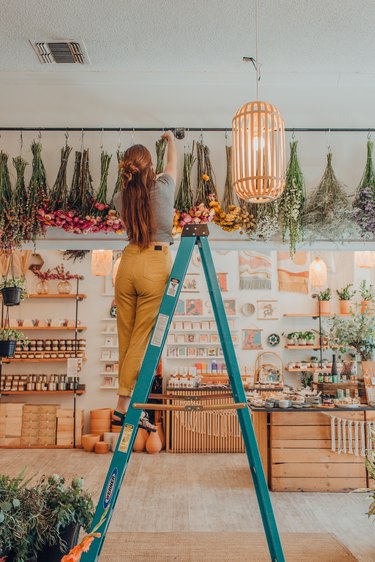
192, 235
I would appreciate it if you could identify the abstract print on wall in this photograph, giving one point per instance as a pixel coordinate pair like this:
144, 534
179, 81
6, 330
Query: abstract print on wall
255, 270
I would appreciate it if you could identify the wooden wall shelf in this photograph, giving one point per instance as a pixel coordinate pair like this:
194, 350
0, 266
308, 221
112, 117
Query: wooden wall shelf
80, 296
56, 360
302, 347
47, 328
45, 392
37, 447
314, 315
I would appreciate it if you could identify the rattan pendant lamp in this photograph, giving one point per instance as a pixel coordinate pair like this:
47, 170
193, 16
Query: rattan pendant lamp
258, 137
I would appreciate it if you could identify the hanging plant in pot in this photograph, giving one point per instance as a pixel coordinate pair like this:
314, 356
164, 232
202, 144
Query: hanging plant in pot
13, 290
8, 340
345, 295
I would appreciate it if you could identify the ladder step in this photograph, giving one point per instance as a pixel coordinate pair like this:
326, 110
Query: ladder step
190, 407
195, 398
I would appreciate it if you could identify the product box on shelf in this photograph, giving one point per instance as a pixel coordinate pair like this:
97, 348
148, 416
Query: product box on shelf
65, 427
10, 424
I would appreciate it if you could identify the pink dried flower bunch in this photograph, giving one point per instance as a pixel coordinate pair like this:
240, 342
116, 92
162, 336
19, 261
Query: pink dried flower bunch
71, 221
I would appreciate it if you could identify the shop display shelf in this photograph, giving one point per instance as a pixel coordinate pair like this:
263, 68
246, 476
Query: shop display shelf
47, 328
108, 374
196, 344
38, 447
108, 387
108, 360
197, 317
50, 360
109, 319
302, 347
45, 392
109, 333
79, 296
109, 346
197, 359
308, 370
314, 315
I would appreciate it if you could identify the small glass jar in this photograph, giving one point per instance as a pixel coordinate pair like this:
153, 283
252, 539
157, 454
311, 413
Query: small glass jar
42, 287
64, 287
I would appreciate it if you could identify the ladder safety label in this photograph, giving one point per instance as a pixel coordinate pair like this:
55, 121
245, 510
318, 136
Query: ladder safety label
172, 287
125, 439
110, 488
159, 331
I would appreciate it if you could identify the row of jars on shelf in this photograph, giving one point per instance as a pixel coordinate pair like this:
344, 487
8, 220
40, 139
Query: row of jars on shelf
38, 382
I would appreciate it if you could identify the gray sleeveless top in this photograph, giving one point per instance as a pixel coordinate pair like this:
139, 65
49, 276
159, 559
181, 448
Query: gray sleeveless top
162, 199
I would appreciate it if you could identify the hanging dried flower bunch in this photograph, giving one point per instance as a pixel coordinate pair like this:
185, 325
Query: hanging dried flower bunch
266, 216
328, 213
160, 145
235, 218
364, 203
206, 188
118, 184
9, 219
59, 192
36, 194
229, 197
20, 197
100, 203
184, 198
81, 191
292, 201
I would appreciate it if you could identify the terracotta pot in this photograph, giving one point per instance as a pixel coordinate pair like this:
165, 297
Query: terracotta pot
153, 443
101, 413
366, 306
88, 442
325, 307
159, 429
345, 307
101, 448
140, 441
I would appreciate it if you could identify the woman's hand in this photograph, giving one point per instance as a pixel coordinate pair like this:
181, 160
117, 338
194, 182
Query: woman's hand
168, 135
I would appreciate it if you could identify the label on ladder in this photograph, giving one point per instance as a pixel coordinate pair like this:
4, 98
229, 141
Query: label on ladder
172, 287
159, 331
125, 440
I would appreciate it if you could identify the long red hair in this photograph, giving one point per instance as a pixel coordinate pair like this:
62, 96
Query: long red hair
138, 178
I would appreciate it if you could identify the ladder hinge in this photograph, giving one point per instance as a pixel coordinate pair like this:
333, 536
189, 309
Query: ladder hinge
193, 407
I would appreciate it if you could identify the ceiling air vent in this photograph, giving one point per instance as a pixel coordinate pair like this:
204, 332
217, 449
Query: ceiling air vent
61, 52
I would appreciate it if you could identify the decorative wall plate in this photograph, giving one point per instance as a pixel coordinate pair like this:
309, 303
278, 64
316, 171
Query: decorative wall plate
247, 309
273, 340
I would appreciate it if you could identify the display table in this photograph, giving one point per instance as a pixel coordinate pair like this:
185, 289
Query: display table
299, 455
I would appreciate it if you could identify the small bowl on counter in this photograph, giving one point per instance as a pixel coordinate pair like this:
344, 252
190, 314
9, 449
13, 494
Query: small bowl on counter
285, 403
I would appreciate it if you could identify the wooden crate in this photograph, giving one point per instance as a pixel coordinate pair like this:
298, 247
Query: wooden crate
301, 456
65, 427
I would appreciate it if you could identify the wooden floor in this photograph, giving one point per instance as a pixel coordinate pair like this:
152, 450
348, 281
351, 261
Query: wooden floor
203, 493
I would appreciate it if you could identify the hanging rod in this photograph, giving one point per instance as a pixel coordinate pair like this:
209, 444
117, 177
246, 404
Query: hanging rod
189, 129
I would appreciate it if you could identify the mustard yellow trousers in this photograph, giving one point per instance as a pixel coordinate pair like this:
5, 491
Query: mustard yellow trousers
140, 283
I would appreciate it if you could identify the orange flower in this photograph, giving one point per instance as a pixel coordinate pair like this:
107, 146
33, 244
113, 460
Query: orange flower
205, 177
84, 546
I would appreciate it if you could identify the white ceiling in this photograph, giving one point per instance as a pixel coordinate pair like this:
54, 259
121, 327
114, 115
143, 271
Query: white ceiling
160, 62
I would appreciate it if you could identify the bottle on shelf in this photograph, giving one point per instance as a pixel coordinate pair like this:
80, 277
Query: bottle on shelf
334, 372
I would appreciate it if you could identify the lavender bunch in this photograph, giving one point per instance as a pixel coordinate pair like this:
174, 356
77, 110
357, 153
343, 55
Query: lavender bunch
364, 203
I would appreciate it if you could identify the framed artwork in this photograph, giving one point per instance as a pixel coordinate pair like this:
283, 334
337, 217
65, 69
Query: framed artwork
181, 351
201, 352
172, 352
171, 338
194, 307
114, 355
110, 381
188, 326
214, 338
252, 339
268, 310
180, 338
191, 283
196, 326
109, 342
108, 367
212, 352
115, 367
190, 338
223, 281
106, 355
203, 338
230, 306
180, 308
178, 326
192, 351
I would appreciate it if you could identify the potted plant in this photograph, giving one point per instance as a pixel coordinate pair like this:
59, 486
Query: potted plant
41, 523
309, 337
324, 301
13, 290
345, 295
8, 340
291, 338
68, 508
367, 294
301, 338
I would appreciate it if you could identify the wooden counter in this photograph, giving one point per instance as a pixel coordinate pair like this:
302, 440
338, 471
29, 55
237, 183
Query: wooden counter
299, 456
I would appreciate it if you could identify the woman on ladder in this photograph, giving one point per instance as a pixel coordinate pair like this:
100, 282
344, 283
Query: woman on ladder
145, 205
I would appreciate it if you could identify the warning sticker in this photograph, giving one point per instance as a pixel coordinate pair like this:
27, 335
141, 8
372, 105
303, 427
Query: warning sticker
125, 439
159, 331
172, 287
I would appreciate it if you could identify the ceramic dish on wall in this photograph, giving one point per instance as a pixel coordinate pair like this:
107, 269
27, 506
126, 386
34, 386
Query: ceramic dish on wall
273, 340
247, 309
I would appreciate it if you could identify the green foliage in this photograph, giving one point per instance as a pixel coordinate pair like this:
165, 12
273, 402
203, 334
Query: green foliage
325, 295
346, 293
32, 517
19, 282
7, 334
367, 293
184, 198
306, 379
354, 332
160, 146
292, 201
